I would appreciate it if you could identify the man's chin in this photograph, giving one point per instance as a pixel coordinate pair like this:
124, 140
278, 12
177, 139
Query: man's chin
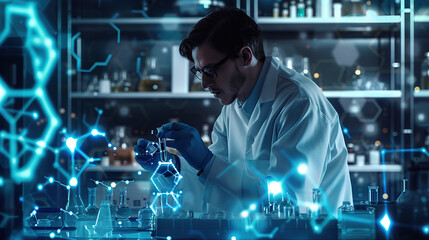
225, 101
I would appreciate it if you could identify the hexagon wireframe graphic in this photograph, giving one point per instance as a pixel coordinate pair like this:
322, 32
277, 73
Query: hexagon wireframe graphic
345, 53
162, 169
43, 55
370, 111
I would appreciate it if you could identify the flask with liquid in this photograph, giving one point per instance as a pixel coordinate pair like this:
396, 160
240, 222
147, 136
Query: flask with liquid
92, 209
103, 225
424, 82
112, 206
152, 79
124, 211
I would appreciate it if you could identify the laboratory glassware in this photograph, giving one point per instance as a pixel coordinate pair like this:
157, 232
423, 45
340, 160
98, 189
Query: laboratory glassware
109, 197
373, 194
92, 209
103, 224
317, 203
123, 211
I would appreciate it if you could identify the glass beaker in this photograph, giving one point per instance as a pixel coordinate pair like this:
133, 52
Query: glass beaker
75, 206
109, 197
152, 79
124, 211
92, 209
412, 208
103, 224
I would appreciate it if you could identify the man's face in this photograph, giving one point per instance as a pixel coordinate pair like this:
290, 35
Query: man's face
228, 80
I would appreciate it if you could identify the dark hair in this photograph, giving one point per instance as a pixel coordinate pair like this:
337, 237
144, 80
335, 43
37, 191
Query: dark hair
227, 30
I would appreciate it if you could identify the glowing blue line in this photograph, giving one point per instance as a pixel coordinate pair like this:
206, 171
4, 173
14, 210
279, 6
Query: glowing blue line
115, 27
78, 59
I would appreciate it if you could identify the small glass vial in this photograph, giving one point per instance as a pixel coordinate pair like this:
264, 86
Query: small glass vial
292, 9
124, 211
309, 12
351, 157
92, 209
276, 9
301, 8
206, 136
317, 203
285, 9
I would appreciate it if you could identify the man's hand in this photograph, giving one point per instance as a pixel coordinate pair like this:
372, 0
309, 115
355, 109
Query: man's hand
148, 156
188, 142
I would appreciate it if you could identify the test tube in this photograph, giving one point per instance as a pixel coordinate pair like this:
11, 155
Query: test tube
373, 194
317, 202
163, 149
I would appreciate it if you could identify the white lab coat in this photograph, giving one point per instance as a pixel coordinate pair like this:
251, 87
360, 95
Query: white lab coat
292, 123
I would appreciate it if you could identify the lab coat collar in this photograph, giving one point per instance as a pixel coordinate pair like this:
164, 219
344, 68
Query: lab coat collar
269, 89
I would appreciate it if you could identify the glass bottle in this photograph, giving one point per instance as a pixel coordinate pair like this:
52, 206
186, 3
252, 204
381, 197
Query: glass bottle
301, 8
124, 211
285, 207
424, 82
92, 209
103, 224
309, 12
127, 84
115, 82
292, 9
93, 87
112, 206
152, 79
146, 218
306, 67
373, 194
205, 136
412, 208
317, 203
285, 9
122, 154
276, 9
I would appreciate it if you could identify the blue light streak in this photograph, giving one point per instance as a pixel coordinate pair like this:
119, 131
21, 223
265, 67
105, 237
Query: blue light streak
79, 60
115, 27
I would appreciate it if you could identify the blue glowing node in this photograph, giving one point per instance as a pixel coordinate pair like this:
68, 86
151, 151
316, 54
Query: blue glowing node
426, 229
94, 132
35, 115
71, 143
40, 187
1, 182
109, 145
302, 168
139, 173
385, 222
36, 207
233, 238
73, 182
275, 187
52, 235
252, 207
244, 214
168, 237
345, 130
51, 179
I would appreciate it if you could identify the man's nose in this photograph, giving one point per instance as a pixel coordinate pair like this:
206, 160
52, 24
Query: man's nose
206, 81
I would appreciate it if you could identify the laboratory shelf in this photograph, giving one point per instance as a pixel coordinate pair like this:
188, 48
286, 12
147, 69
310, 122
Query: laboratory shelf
421, 94
131, 95
375, 168
190, 95
165, 23
363, 94
421, 19
115, 169
323, 24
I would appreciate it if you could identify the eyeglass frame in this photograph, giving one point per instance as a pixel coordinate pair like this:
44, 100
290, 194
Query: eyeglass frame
195, 71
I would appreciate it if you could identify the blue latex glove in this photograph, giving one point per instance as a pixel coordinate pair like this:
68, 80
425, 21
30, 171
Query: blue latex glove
188, 142
148, 155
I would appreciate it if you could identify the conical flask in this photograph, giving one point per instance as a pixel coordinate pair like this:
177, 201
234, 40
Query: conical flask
103, 224
92, 209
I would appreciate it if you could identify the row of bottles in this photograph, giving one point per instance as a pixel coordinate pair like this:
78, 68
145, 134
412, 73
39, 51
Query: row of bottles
321, 8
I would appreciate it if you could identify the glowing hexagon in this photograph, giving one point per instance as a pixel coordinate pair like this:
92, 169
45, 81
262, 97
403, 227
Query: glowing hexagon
43, 55
165, 168
345, 53
370, 111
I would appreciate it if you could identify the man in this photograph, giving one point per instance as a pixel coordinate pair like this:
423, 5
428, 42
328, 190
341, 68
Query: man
275, 124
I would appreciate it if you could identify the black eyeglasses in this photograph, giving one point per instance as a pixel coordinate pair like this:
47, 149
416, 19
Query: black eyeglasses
210, 71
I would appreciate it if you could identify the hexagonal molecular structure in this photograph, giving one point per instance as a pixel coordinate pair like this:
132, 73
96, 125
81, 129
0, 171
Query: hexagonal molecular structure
345, 53
370, 111
165, 203
159, 180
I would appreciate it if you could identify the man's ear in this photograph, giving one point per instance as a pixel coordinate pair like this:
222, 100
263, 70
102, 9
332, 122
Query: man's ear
246, 55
